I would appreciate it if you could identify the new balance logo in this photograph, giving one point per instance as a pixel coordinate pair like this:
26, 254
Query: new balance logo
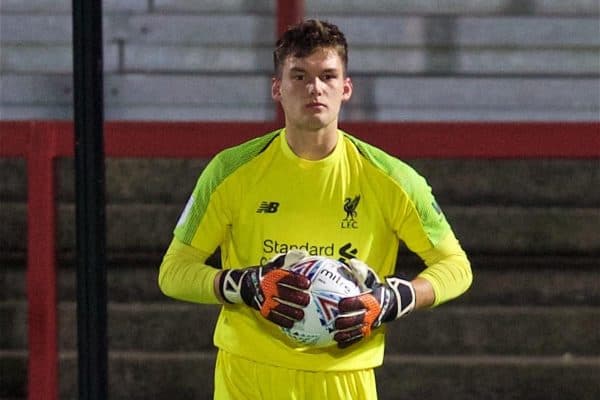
269, 207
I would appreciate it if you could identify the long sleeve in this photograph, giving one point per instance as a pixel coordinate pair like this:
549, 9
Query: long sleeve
184, 274
448, 269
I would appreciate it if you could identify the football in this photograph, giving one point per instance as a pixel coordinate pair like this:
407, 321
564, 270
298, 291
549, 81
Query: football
331, 281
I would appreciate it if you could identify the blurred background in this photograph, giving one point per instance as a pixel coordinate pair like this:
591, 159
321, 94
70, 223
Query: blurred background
529, 328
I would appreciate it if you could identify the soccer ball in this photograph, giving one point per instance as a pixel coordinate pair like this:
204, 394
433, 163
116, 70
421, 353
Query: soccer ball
331, 281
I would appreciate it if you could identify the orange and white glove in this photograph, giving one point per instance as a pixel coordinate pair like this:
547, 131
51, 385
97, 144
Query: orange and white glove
379, 302
279, 294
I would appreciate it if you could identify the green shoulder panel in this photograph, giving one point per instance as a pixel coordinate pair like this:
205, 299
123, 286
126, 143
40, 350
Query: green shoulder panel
414, 185
399, 171
218, 169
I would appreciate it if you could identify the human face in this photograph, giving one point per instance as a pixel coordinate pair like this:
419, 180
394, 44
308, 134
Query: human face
311, 90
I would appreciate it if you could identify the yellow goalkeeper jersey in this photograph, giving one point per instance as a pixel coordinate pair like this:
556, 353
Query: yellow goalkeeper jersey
259, 199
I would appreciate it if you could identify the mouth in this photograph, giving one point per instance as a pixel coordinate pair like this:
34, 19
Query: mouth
315, 105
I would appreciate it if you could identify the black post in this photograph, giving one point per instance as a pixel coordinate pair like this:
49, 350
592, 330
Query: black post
90, 200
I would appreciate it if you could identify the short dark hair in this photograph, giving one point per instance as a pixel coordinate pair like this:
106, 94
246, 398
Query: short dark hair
303, 39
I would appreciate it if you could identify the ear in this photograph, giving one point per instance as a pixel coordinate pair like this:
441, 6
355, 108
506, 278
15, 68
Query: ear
347, 93
276, 88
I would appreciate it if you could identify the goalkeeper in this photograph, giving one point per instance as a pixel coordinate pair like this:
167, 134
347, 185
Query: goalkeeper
308, 187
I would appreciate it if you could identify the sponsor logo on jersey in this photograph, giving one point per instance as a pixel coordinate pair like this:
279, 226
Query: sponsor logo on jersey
268, 207
273, 247
347, 252
350, 205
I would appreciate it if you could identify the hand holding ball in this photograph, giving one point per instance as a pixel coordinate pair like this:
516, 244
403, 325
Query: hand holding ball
331, 281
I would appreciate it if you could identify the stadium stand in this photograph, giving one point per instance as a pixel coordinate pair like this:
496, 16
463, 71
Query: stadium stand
530, 326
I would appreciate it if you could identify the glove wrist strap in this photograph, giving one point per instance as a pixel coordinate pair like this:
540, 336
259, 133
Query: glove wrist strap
230, 286
405, 295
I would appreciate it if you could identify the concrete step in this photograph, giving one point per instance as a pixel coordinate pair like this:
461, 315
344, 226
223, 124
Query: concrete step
403, 60
540, 331
490, 378
361, 30
65, 6
177, 326
189, 375
531, 182
481, 229
336, 7
51, 58
457, 7
257, 113
559, 281
434, 98
161, 54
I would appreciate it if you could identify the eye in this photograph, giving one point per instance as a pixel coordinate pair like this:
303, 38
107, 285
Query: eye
297, 77
327, 77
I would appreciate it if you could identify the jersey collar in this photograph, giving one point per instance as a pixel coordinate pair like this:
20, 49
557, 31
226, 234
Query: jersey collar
331, 159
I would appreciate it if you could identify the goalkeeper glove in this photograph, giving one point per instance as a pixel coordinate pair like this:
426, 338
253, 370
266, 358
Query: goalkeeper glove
380, 302
277, 293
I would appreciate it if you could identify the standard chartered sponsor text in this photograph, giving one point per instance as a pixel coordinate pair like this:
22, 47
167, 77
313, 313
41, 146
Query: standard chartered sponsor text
271, 246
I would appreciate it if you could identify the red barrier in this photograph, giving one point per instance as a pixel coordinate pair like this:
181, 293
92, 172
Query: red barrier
41, 142
405, 139
41, 263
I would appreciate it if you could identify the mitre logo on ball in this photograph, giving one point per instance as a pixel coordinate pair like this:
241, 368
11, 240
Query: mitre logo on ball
331, 281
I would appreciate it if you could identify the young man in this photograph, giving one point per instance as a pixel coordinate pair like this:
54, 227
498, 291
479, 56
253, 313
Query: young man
308, 186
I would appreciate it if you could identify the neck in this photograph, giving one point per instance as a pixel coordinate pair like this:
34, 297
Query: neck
312, 145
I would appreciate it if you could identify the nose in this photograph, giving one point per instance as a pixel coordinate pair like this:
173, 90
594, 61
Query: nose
314, 87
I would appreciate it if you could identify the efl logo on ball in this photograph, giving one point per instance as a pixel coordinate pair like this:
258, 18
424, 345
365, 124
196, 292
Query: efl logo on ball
331, 281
